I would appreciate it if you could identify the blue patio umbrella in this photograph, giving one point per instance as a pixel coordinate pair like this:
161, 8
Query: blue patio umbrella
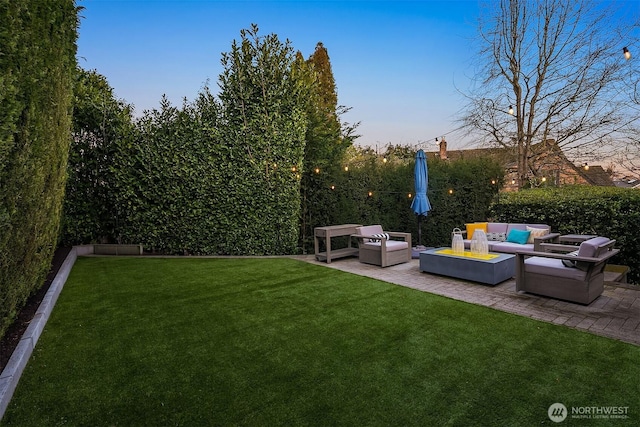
420, 204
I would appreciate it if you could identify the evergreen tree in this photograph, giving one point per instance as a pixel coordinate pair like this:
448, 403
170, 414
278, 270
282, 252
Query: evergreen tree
265, 124
324, 148
102, 129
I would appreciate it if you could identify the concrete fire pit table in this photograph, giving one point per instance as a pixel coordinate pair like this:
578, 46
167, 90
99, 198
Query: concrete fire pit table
489, 269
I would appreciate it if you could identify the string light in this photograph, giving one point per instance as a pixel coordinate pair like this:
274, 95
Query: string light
409, 195
333, 187
436, 139
346, 168
511, 109
370, 193
627, 54
293, 169
493, 181
317, 170
586, 166
451, 191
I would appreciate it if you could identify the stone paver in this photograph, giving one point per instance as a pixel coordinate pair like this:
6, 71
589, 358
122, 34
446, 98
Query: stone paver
615, 314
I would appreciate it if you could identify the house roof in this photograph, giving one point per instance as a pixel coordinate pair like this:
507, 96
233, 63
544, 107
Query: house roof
507, 156
596, 175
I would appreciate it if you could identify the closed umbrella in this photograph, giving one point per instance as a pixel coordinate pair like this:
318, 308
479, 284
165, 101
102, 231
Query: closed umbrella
420, 204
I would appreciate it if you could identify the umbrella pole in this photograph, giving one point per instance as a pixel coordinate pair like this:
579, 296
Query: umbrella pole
419, 231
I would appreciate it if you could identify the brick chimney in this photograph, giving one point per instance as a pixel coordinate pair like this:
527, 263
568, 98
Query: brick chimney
443, 149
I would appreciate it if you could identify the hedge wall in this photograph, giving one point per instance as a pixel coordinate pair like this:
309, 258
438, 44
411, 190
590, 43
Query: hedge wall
604, 211
102, 132
37, 63
215, 176
459, 192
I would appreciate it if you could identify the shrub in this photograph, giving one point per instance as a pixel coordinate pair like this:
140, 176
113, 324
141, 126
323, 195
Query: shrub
37, 63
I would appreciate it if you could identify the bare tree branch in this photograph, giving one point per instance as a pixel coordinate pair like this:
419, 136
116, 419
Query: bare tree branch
559, 63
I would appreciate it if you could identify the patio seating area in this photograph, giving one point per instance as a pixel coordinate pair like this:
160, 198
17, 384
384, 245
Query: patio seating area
615, 314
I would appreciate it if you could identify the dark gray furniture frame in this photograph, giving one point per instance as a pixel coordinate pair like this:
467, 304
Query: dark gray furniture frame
582, 289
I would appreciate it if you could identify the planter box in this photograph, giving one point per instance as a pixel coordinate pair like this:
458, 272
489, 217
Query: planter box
116, 249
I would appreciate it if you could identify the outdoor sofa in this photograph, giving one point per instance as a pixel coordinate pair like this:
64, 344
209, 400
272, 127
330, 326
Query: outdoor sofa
511, 237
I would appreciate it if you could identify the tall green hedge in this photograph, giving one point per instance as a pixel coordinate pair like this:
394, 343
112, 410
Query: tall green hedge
603, 211
37, 63
102, 131
215, 176
459, 192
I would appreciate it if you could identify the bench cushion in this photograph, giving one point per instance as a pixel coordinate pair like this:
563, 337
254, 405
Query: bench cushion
509, 247
392, 245
552, 267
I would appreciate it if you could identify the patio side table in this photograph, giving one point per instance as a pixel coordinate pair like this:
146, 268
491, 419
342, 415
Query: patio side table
327, 233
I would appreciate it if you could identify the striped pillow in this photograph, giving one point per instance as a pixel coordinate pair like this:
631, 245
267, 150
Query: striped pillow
381, 235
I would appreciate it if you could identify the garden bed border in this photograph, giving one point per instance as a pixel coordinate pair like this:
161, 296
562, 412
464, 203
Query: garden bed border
12, 372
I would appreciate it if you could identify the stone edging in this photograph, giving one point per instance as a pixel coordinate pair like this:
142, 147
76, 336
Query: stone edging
15, 366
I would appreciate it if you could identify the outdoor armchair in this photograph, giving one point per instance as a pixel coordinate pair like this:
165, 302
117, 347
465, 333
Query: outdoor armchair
576, 276
383, 248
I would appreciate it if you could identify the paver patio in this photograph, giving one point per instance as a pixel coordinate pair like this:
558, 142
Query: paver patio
615, 314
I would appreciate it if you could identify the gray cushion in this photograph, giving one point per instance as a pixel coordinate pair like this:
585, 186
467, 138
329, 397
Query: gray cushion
589, 248
552, 267
392, 245
508, 247
368, 230
497, 227
524, 227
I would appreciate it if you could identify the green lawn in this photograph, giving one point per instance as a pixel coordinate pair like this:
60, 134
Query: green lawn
266, 342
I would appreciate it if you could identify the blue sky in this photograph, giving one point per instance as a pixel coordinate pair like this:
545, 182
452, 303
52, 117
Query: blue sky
396, 64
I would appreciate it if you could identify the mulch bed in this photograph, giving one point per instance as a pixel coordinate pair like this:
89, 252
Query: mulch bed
10, 341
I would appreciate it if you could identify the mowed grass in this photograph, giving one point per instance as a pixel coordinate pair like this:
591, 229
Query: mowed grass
266, 342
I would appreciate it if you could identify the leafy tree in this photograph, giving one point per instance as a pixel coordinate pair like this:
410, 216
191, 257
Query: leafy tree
264, 129
324, 144
557, 67
102, 129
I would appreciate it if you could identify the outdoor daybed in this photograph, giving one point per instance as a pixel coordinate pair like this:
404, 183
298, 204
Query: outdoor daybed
511, 237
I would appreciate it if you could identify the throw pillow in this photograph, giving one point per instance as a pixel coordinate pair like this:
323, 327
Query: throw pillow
497, 237
569, 262
384, 235
518, 236
536, 232
475, 226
